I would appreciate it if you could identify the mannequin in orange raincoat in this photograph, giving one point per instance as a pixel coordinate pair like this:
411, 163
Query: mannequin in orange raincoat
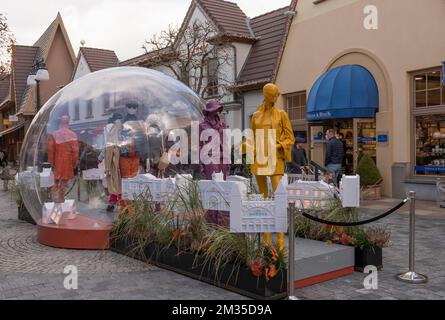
268, 118
63, 154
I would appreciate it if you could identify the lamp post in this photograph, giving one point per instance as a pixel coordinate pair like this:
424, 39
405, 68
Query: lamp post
38, 73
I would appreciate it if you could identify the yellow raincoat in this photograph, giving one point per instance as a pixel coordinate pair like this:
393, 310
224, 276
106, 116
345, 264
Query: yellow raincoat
267, 118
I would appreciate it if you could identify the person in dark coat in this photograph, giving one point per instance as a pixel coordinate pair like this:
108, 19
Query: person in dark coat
334, 154
299, 157
3, 158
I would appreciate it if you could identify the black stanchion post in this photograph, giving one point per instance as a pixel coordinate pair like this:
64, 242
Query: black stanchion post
412, 276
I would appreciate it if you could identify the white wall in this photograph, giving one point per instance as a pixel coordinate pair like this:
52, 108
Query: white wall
252, 100
242, 52
82, 68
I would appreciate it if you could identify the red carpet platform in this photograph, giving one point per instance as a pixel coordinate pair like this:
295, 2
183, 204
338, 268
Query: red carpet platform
80, 233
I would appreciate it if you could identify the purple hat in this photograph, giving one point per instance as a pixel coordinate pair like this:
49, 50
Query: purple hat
213, 106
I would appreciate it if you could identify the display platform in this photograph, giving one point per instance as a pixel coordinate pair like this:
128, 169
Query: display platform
80, 233
317, 262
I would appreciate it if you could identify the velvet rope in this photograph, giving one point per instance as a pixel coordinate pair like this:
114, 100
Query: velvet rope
359, 223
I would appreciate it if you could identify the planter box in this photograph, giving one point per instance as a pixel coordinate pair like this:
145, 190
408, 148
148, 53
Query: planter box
240, 281
24, 215
372, 257
372, 193
317, 262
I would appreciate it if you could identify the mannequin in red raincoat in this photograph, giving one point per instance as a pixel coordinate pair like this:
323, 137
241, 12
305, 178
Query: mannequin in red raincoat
63, 154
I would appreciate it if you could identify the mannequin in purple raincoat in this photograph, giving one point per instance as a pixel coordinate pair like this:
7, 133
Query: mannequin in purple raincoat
212, 121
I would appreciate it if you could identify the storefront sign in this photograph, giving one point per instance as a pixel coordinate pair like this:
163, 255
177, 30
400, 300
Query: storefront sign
365, 139
7, 122
382, 138
430, 168
13, 118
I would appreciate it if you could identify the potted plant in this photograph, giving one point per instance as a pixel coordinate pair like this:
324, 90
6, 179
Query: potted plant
16, 195
368, 247
370, 178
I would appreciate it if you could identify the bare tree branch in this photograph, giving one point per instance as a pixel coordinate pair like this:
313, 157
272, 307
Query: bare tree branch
7, 42
189, 58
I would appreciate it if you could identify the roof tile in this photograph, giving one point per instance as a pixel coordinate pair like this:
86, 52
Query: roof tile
23, 58
262, 61
99, 59
228, 16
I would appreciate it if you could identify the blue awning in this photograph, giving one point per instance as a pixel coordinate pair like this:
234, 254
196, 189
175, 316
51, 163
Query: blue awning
343, 93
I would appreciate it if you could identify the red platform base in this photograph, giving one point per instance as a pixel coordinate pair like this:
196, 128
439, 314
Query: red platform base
323, 277
80, 233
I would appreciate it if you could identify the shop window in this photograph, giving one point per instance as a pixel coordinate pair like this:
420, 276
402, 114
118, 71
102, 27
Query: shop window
212, 77
429, 91
76, 113
296, 106
89, 109
430, 145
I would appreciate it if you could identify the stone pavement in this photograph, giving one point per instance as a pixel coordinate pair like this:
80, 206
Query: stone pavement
29, 270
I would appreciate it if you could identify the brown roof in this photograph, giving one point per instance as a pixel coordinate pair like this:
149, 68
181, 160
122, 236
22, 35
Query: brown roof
42, 48
97, 59
45, 40
227, 16
144, 59
4, 87
262, 63
23, 58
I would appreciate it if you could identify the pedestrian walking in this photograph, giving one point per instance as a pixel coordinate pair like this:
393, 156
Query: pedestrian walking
334, 155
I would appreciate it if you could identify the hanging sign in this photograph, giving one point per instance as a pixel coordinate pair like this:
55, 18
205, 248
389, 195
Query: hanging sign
382, 137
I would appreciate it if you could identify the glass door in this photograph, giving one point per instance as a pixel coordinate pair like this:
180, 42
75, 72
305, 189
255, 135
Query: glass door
365, 140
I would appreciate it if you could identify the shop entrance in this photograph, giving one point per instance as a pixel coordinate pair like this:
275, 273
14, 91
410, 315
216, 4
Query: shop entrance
358, 137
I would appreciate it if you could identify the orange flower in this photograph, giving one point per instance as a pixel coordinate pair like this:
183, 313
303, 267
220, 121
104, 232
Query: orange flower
338, 230
274, 253
177, 234
271, 272
256, 268
326, 227
345, 239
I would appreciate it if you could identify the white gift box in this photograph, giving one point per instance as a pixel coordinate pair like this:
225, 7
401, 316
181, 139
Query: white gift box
30, 178
52, 212
46, 178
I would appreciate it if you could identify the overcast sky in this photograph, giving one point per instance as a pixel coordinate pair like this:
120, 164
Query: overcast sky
121, 25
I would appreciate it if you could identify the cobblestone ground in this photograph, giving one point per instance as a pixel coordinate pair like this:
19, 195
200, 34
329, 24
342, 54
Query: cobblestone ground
29, 270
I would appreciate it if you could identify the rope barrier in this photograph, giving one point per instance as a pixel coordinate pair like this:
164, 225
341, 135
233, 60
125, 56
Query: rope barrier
354, 224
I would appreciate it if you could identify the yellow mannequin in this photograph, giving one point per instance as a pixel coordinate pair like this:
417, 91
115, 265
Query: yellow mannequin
267, 117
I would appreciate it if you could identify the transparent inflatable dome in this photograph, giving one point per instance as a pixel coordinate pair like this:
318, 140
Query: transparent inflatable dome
104, 127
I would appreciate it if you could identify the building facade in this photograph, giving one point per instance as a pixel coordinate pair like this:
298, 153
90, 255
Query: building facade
18, 106
253, 48
397, 45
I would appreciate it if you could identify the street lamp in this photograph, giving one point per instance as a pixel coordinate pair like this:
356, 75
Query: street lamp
38, 73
